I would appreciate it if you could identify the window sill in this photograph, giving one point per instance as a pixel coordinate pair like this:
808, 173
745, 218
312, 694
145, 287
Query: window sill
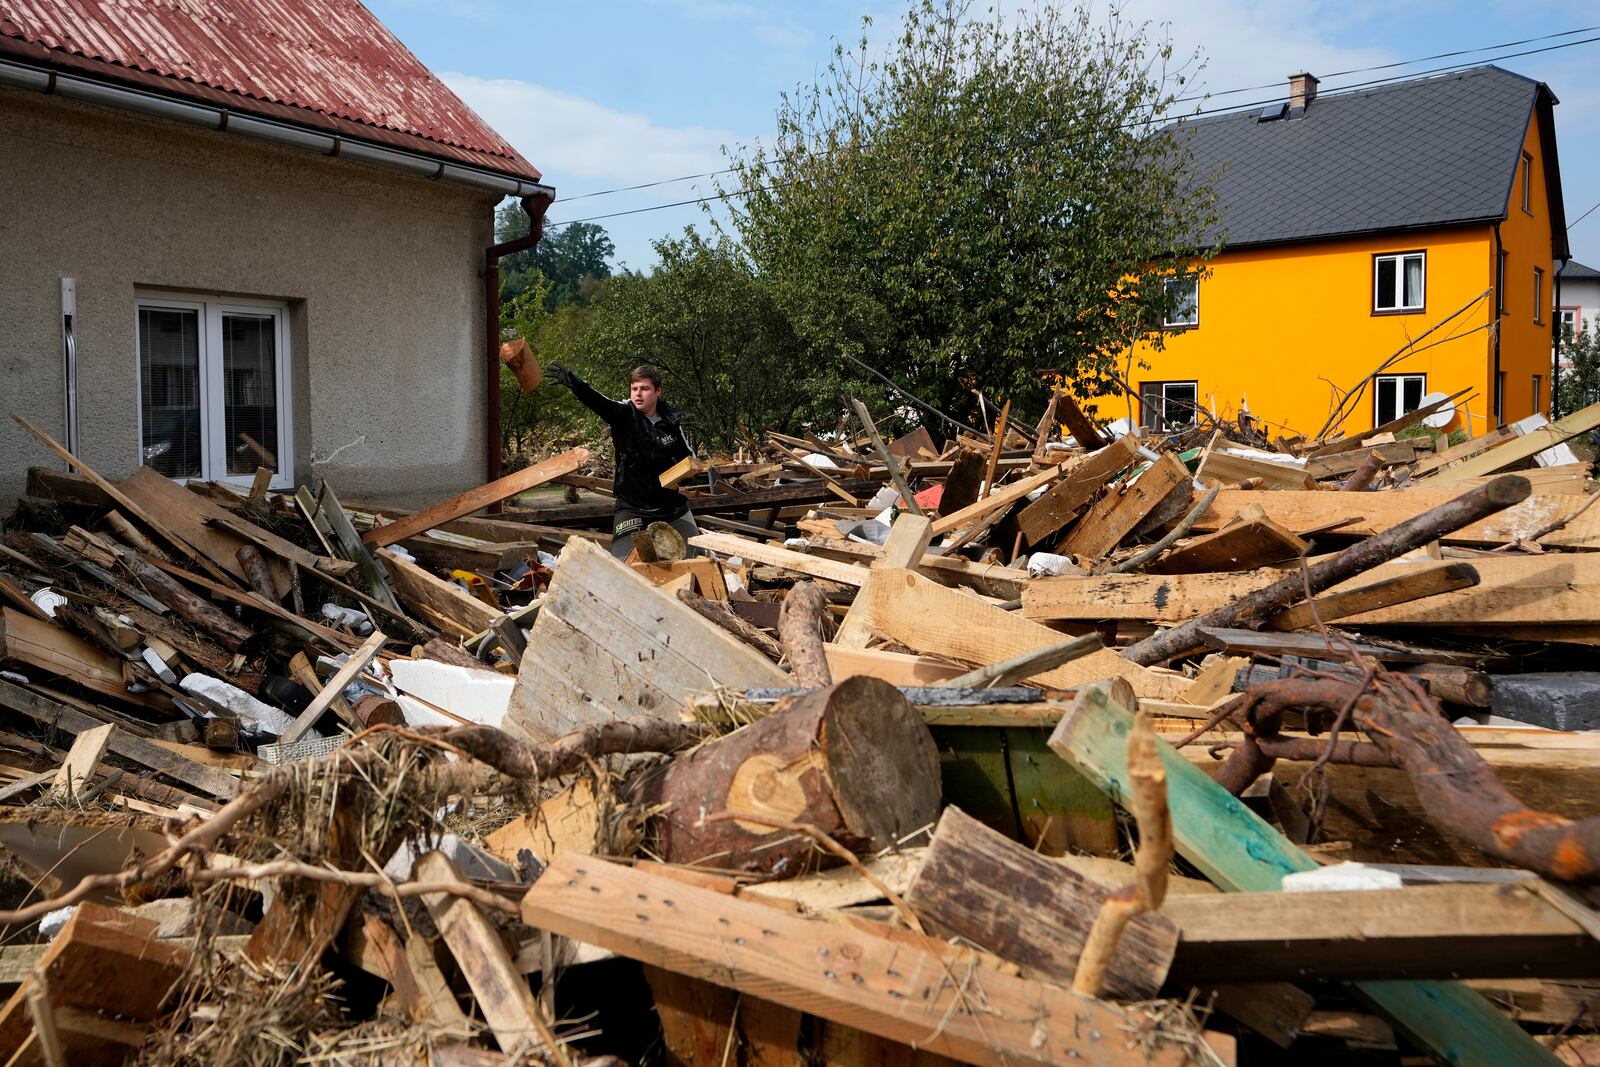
1400, 311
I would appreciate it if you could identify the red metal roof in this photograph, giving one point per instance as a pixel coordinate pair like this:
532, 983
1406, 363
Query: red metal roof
326, 64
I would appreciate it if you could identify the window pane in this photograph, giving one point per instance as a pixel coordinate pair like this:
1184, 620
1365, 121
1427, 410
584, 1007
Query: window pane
250, 397
169, 390
1184, 293
1413, 282
1386, 283
1386, 391
1179, 404
1412, 400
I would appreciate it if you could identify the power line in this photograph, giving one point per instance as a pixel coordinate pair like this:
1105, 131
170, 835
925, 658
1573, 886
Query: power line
1176, 100
1585, 215
1231, 109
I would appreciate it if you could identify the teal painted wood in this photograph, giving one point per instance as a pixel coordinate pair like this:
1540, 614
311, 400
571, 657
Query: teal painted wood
1242, 853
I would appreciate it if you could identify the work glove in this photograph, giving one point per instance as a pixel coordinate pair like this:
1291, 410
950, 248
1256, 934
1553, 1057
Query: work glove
560, 372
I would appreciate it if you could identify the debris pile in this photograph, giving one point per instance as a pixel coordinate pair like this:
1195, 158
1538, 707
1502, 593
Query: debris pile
1049, 745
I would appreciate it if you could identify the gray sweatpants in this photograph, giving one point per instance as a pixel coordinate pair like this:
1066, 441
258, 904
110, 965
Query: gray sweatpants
684, 524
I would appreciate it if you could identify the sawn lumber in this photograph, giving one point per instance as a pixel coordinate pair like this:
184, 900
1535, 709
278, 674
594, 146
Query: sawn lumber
844, 973
476, 499
1240, 852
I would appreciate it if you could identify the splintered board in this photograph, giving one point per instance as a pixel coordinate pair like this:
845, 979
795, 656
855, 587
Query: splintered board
895, 986
607, 644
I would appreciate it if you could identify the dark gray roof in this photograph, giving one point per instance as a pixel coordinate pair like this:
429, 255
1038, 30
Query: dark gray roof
1430, 152
1572, 270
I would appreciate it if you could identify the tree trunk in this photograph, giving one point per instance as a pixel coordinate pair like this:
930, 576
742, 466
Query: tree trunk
854, 760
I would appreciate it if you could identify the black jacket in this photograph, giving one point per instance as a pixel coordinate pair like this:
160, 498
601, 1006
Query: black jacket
644, 452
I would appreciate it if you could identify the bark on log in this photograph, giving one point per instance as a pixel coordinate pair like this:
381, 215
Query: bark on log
1253, 609
800, 627
1459, 792
724, 616
229, 634
855, 760
569, 752
978, 884
1364, 474
255, 571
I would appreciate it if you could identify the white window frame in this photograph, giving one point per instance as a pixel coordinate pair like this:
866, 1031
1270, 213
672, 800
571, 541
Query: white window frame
213, 395
1163, 386
1399, 261
1570, 317
1399, 381
1176, 324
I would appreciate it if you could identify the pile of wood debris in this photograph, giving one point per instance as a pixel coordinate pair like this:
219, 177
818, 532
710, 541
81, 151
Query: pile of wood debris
1139, 750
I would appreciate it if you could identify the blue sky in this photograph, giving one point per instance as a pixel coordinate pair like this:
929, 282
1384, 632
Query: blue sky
621, 92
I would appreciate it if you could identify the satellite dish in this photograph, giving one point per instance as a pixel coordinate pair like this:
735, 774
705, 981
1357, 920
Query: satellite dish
1441, 418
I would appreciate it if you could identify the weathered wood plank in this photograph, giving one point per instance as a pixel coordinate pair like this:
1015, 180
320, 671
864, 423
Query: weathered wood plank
476, 499
1240, 852
1242, 546
1116, 514
1519, 448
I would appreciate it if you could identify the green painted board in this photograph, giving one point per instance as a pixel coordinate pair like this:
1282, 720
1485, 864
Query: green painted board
973, 775
1058, 808
1242, 853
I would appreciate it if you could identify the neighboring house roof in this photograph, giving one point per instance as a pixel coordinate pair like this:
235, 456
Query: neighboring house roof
1572, 271
329, 65
1436, 151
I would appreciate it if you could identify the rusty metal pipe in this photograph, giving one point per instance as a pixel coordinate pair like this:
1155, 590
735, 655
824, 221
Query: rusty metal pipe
534, 206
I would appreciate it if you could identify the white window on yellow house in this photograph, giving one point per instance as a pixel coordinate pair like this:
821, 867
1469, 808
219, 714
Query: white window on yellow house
1184, 294
1167, 406
1397, 394
1399, 281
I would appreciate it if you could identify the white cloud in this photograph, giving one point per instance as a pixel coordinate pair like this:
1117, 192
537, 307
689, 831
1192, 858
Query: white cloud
578, 142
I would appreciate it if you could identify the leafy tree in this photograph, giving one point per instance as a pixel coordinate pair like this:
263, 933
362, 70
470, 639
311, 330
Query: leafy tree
533, 423
977, 207
711, 324
571, 258
1578, 372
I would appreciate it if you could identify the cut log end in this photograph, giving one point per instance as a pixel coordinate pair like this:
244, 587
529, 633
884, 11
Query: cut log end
1508, 489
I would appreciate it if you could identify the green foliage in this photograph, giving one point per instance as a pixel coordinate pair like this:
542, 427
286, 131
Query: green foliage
1578, 377
975, 209
571, 258
549, 417
704, 317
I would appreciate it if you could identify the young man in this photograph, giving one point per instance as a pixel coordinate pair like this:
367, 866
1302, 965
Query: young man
647, 435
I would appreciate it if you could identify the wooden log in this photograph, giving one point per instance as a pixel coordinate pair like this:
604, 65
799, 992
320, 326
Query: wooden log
227, 633
892, 986
1242, 546
1241, 853
854, 760
255, 571
1421, 931
1061, 501
800, 628
1253, 608
982, 886
1454, 685
476, 499
1115, 516
717, 611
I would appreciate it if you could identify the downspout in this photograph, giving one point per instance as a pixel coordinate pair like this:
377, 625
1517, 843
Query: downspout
1495, 389
1555, 347
534, 205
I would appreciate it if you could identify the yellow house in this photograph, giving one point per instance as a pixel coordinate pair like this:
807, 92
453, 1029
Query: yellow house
1391, 244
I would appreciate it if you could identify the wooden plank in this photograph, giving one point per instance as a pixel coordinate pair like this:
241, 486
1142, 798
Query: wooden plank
1058, 811
845, 974
330, 513
1524, 447
606, 630
1116, 514
82, 758
189, 515
1241, 853
476, 499
58, 716
346, 674
502, 993
930, 619
47, 647
1423, 931
1061, 501
1386, 592
1456, 453
1220, 465
1349, 462
1002, 896
902, 550
1253, 643
1393, 426
1252, 543
687, 467
778, 556
907, 497
418, 585
997, 500
1537, 590
896, 668
990, 579
1375, 512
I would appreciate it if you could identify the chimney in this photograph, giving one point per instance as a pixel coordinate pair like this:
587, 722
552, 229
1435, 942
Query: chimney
1302, 90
